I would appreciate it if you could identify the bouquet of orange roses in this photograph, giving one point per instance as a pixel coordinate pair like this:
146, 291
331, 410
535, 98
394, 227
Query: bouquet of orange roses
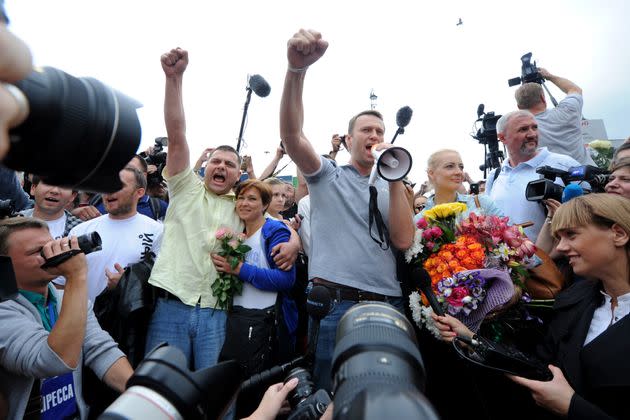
473, 262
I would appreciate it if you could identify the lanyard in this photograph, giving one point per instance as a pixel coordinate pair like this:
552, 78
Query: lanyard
52, 315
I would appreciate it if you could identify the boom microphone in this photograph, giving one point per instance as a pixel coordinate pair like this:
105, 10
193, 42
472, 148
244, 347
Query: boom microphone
259, 85
424, 283
261, 88
403, 116
480, 109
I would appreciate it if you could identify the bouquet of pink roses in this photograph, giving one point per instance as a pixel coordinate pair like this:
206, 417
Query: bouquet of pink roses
233, 249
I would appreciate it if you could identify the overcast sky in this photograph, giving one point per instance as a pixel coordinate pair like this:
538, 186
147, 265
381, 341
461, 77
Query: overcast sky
408, 52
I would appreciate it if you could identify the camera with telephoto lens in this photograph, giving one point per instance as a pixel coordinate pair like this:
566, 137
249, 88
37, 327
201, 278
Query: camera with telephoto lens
377, 368
545, 188
70, 117
158, 159
306, 402
529, 72
163, 388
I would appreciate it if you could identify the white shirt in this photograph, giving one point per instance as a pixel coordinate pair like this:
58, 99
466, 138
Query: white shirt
124, 242
251, 297
605, 316
57, 226
304, 209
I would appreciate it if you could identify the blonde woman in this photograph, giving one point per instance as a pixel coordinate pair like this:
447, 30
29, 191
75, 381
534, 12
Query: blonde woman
588, 339
446, 173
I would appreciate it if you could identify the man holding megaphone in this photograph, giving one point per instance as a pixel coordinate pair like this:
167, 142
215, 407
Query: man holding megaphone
340, 201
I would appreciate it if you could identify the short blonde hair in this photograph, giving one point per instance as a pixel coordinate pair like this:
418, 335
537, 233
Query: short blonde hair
599, 209
433, 159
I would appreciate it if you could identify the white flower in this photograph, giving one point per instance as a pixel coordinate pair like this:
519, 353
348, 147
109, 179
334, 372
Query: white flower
502, 251
422, 315
416, 248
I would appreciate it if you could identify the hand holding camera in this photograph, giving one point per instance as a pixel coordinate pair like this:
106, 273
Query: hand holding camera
59, 255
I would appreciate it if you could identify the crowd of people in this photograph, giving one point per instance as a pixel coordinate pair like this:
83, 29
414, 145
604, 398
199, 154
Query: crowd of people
294, 238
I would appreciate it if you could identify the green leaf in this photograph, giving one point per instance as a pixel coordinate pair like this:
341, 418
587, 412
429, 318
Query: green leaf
243, 248
233, 262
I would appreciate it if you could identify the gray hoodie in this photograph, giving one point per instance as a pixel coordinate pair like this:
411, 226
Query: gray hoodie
25, 354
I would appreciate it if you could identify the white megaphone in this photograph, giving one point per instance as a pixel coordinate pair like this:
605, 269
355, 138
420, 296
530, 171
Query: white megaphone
391, 164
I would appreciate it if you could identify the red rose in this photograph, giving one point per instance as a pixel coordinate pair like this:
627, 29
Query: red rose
455, 299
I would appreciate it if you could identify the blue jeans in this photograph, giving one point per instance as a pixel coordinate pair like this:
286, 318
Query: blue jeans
198, 332
327, 335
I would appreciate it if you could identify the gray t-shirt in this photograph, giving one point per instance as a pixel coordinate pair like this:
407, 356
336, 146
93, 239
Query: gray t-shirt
560, 129
342, 250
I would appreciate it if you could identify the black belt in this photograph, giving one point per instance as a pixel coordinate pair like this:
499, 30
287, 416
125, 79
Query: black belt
340, 292
166, 294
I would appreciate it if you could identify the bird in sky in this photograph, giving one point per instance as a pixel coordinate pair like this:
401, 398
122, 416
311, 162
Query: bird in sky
460, 22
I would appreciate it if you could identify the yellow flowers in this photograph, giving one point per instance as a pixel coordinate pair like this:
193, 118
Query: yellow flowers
443, 211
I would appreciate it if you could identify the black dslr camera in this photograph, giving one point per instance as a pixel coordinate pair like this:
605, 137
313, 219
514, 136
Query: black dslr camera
529, 72
306, 402
158, 159
544, 188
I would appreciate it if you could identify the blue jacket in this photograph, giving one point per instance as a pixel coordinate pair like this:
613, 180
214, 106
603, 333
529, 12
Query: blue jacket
273, 279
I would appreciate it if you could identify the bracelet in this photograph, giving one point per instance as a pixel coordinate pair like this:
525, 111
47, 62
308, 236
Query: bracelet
297, 69
548, 220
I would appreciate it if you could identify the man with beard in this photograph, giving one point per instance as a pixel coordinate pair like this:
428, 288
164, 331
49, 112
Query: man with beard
518, 131
50, 206
127, 235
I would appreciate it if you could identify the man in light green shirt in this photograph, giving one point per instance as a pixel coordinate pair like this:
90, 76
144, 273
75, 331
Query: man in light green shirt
185, 314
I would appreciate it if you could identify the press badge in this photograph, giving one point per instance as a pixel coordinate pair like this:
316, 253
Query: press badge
58, 397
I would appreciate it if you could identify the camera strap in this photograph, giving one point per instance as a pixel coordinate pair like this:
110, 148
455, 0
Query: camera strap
375, 217
61, 258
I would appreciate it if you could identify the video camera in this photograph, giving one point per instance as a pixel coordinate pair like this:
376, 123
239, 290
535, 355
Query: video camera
158, 159
529, 72
487, 135
545, 188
